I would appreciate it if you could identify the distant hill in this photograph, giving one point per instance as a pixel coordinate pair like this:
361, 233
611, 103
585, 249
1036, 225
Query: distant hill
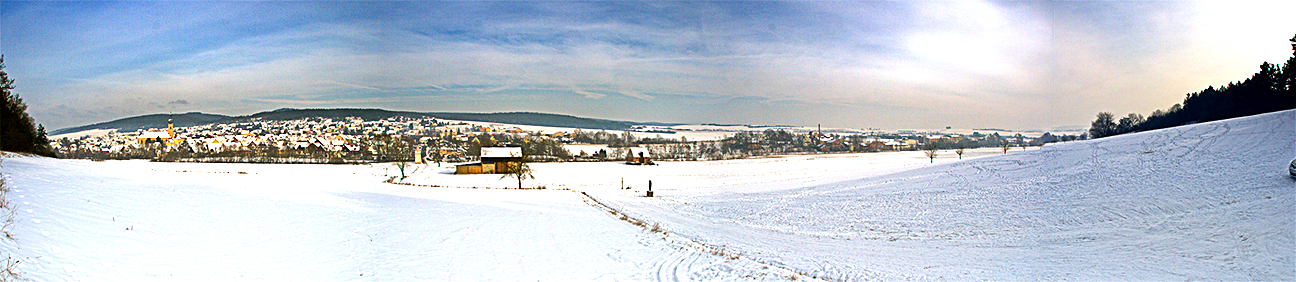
148, 121
366, 114
520, 118
539, 119
196, 118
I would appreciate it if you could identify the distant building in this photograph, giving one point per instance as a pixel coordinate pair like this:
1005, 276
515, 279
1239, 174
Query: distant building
639, 156
493, 160
876, 146
156, 135
153, 136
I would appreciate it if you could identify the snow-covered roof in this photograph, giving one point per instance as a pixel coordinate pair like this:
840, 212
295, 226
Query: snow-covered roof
636, 151
501, 152
154, 134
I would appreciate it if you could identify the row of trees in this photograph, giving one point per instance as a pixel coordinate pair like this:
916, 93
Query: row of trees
537, 147
625, 139
1273, 88
18, 131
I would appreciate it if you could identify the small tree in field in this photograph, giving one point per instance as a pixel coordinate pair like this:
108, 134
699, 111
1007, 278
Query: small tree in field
401, 166
1005, 147
959, 151
519, 169
931, 152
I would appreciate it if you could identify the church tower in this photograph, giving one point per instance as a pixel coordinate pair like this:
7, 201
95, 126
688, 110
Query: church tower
170, 129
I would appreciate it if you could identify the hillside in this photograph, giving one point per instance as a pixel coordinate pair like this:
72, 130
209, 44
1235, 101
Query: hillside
538, 119
196, 118
1209, 201
519, 118
292, 114
148, 121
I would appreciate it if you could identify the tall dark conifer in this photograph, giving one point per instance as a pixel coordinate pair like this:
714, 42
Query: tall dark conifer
18, 131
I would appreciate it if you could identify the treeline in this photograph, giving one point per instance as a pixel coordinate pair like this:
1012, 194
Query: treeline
19, 132
1271, 89
536, 148
540, 119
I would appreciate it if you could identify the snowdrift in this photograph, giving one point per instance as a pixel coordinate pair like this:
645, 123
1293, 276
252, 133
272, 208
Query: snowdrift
1210, 201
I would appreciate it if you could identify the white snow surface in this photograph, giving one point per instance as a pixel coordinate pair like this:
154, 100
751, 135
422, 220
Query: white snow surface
1209, 201
144, 221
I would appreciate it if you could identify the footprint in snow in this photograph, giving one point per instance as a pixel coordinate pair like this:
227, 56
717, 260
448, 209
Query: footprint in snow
29, 211
45, 233
36, 220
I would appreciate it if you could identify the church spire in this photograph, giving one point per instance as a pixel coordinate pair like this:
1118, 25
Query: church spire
170, 128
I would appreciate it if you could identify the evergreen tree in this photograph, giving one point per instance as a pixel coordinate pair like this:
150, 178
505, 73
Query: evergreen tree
18, 131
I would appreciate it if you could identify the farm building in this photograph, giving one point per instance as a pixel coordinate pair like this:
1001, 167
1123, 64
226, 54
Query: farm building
638, 156
493, 160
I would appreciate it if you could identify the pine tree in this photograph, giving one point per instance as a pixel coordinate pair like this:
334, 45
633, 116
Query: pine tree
18, 131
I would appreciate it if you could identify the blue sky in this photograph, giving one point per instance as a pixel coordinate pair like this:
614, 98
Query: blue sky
903, 64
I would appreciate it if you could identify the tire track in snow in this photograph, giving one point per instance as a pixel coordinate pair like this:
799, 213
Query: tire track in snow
675, 266
684, 261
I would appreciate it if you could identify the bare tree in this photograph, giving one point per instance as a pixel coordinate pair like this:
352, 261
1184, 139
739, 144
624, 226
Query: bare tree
520, 170
401, 166
959, 151
931, 152
1005, 147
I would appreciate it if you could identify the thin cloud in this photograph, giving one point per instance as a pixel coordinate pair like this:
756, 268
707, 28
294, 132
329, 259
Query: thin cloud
1014, 64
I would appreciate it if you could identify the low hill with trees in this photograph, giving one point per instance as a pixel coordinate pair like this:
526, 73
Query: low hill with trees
149, 121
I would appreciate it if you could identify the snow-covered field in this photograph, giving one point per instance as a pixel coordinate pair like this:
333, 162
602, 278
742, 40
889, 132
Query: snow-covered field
1210, 201
142, 221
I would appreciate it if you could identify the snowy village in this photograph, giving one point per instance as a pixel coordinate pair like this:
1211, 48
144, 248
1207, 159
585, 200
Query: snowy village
354, 140
647, 141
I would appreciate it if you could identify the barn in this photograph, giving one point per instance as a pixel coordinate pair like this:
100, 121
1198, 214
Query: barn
638, 156
493, 160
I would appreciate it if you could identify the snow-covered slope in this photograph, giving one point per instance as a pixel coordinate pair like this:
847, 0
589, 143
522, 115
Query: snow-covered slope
1209, 201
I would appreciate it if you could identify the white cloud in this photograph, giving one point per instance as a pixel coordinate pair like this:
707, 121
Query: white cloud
1001, 64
